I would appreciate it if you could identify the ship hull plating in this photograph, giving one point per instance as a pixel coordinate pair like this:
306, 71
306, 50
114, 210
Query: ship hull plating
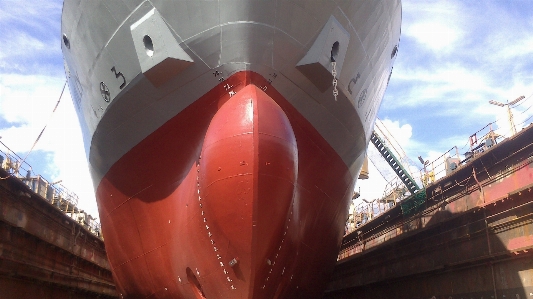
223, 163
235, 217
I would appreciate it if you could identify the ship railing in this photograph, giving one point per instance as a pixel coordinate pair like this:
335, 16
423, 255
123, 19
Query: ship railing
54, 193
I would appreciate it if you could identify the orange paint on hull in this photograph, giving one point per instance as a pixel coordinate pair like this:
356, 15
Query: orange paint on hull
232, 198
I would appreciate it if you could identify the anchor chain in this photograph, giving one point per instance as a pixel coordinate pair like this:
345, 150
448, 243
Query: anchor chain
334, 73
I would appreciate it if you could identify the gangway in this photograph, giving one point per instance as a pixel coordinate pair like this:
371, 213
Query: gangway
394, 163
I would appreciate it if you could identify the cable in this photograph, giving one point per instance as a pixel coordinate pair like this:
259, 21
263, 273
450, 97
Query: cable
525, 100
40, 134
526, 109
525, 120
371, 161
478, 132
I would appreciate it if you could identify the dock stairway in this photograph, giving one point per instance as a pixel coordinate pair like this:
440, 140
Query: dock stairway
394, 163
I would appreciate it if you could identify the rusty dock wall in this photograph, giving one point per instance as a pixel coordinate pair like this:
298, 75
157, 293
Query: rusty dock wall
44, 253
472, 237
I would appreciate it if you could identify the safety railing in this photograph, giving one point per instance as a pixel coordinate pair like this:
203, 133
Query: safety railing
478, 143
54, 193
395, 191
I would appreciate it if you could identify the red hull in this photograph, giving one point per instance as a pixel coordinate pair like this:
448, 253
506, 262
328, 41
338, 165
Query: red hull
245, 179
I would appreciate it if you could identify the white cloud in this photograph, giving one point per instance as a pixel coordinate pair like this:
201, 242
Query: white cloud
30, 86
398, 139
30, 35
432, 84
452, 60
435, 25
28, 98
371, 188
457, 89
16, 44
397, 134
33, 13
454, 57
472, 57
513, 45
434, 35
27, 101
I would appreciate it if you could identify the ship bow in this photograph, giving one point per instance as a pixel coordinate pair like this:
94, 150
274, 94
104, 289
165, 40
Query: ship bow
246, 182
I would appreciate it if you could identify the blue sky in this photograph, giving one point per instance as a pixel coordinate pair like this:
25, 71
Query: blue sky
454, 57
31, 79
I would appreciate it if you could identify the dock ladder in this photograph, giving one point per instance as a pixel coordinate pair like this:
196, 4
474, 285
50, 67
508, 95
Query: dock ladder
394, 163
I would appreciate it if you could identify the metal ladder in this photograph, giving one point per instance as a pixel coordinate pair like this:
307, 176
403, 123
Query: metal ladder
394, 163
